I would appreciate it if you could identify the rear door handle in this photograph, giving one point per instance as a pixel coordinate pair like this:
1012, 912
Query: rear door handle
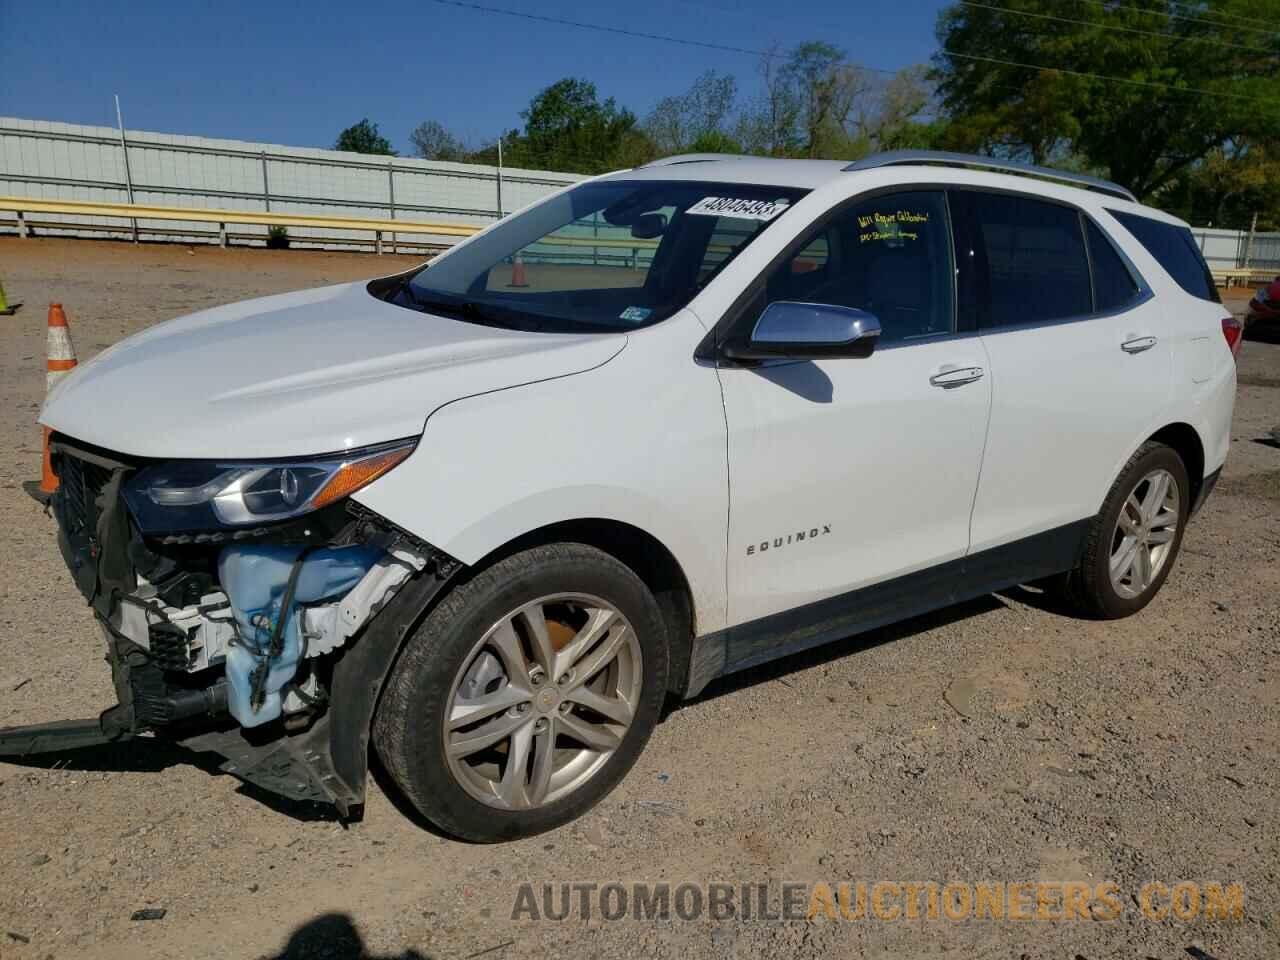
1138, 344
958, 377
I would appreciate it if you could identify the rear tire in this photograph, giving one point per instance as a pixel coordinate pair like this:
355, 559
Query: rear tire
1134, 540
561, 652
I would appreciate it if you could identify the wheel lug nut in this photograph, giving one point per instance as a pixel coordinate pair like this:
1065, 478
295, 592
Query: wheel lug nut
539, 725
564, 706
522, 708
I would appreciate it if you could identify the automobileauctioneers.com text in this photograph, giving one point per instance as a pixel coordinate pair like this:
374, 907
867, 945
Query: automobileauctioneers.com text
882, 900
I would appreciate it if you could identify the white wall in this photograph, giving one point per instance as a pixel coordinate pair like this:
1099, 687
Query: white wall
50, 160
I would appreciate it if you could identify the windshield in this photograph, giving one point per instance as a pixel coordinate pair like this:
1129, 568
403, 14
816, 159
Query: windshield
604, 256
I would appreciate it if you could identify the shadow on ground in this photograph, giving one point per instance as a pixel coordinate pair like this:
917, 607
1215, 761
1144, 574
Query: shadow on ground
333, 936
155, 755
778, 669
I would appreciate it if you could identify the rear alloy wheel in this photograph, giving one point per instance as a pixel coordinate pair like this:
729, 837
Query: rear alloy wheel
1142, 542
1134, 539
526, 694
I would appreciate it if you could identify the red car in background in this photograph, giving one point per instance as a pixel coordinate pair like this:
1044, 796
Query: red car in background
1265, 305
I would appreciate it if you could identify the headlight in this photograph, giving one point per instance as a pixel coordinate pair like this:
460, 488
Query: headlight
208, 494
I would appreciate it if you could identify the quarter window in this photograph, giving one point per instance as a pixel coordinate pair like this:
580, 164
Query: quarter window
1174, 249
1018, 260
1113, 285
888, 255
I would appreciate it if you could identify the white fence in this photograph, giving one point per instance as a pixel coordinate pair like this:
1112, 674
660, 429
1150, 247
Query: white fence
62, 161
1232, 249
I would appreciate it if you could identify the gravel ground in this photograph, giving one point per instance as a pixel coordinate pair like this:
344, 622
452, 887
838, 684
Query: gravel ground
999, 741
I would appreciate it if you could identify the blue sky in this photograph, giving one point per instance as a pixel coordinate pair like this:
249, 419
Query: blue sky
297, 73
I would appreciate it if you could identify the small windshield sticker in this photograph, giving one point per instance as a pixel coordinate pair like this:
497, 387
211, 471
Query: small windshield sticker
738, 208
636, 314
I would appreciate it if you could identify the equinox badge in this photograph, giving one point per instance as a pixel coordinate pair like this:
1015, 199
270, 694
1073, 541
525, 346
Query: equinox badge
798, 537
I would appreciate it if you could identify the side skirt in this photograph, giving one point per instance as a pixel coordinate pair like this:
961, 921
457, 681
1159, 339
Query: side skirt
791, 631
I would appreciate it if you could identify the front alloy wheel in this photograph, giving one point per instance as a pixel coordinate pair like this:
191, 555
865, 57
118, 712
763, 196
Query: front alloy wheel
543, 700
526, 694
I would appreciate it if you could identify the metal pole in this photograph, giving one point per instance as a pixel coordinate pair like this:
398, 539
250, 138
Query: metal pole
500, 214
1248, 245
391, 194
128, 174
266, 189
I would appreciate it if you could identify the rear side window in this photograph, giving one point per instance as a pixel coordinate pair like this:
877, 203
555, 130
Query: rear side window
1174, 249
1019, 260
1113, 285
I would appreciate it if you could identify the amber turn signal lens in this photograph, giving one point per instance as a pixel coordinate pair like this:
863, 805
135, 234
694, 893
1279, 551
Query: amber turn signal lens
352, 476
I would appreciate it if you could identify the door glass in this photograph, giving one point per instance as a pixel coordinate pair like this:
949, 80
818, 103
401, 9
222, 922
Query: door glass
889, 256
1019, 260
1113, 285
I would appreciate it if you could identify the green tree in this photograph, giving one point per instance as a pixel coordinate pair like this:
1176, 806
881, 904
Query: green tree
826, 87
568, 128
363, 137
768, 126
699, 114
1143, 91
431, 141
1230, 186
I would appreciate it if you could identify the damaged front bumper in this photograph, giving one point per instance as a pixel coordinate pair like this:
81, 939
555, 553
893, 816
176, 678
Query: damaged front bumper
268, 647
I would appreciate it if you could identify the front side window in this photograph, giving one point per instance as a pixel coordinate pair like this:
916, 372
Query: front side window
1018, 260
1174, 249
888, 255
604, 256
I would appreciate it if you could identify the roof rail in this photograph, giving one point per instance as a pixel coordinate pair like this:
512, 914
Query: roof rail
695, 158
941, 158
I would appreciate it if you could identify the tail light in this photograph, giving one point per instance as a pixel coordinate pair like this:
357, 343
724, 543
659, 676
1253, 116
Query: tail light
1233, 330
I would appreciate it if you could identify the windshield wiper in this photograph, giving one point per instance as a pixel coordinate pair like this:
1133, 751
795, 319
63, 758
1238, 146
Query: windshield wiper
482, 313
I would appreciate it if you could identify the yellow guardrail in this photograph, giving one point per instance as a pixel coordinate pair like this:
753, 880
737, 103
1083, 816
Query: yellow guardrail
139, 211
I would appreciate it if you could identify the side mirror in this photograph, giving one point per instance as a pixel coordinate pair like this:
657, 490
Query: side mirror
808, 331
648, 226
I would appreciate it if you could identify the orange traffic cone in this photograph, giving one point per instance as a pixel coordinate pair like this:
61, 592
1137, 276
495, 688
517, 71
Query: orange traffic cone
61, 361
518, 278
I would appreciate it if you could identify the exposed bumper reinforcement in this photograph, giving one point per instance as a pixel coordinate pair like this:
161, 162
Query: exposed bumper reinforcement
61, 735
327, 763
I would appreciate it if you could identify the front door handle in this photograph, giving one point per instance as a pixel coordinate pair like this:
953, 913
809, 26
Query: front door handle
958, 377
1138, 344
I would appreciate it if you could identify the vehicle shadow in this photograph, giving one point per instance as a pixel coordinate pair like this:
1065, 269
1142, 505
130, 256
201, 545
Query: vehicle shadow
780, 668
155, 755
333, 936
803, 378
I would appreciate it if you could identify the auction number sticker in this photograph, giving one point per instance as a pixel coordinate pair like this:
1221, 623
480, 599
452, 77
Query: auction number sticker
738, 208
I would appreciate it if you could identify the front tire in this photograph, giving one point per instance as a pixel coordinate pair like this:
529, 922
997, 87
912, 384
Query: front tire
1135, 538
526, 695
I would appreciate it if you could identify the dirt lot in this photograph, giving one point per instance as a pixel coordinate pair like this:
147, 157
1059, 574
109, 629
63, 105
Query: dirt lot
1000, 741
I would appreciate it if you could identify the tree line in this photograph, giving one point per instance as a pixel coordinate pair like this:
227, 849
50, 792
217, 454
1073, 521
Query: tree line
1178, 101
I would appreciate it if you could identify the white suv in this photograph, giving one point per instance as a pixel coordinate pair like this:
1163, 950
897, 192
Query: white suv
663, 425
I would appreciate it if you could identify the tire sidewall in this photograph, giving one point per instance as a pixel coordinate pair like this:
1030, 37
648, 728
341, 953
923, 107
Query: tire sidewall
1160, 457
435, 652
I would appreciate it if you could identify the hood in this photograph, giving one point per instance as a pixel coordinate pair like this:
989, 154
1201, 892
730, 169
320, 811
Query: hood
316, 371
